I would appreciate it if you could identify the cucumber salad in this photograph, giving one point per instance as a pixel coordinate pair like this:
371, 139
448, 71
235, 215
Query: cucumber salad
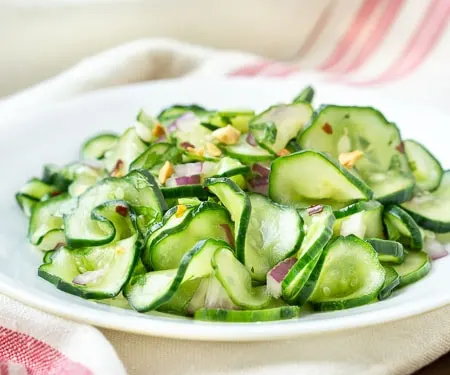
237, 216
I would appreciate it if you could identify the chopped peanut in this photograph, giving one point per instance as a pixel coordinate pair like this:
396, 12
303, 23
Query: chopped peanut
227, 135
196, 151
165, 172
349, 159
181, 209
158, 130
213, 150
118, 170
283, 152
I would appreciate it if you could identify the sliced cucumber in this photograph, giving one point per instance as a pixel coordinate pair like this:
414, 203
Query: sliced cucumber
96, 147
247, 153
425, 167
236, 280
26, 203
225, 167
388, 251
36, 189
384, 166
170, 114
47, 216
306, 95
276, 126
155, 156
223, 315
432, 210
416, 266
237, 202
165, 249
319, 230
93, 272
351, 275
274, 233
180, 301
401, 227
323, 180
363, 219
391, 282
128, 147
138, 189
153, 289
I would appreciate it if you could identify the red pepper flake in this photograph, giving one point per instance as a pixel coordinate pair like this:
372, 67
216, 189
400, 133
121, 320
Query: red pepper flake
401, 148
316, 209
117, 170
327, 128
122, 210
55, 193
186, 145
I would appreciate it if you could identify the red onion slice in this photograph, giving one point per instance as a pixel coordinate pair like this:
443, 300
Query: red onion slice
88, 277
261, 169
188, 169
229, 234
434, 248
259, 184
276, 276
251, 140
183, 181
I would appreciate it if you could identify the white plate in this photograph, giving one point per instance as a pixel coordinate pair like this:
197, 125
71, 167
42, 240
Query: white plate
55, 136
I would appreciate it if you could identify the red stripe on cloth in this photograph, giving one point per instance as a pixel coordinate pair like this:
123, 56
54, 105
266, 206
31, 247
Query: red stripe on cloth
3, 368
317, 30
36, 356
383, 26
250, 70
420, 44
278, 70
355, 29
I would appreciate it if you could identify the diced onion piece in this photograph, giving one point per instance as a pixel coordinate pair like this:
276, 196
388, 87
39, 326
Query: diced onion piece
277, 274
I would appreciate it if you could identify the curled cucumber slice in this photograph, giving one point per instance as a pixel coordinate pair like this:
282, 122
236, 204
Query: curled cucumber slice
311, 177
266, 315
351, 275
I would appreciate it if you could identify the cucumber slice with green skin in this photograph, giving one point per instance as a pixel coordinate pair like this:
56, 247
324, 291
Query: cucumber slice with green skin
48, 216
153, 289
96, 147
391, 282
185, 191
351, 275
93, 272
293, 146
166, 249
333, 185
138, 189
225, 167
236, 280
26, 203
276, 126
247, 153
274, 233
364, 219
266, 315
384, 166
129, 146
237, 202
36, 189
306, 95
425, 167
170, 114
415, 267
388, 251
179, 302
319, 230
156, 155
52, 240
432, 210
402, 228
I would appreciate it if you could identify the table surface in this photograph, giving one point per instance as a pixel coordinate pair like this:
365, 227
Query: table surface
439, 367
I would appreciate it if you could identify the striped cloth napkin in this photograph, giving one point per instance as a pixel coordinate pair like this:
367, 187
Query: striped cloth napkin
395, 45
